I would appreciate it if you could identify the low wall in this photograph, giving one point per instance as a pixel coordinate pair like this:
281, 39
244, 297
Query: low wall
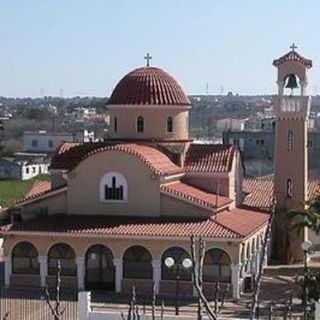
85, 312
66, 281
24, 280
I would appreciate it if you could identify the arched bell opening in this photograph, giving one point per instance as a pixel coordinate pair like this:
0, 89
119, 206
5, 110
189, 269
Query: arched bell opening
291, 84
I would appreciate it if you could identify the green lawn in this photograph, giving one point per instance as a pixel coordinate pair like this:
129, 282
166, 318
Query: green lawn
13, 190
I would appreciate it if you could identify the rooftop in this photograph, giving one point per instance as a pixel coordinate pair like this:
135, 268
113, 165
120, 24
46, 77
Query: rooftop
235, 224
148, 86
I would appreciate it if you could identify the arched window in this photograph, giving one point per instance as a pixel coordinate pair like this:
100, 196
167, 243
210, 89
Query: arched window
289, 188
290, 140
178, 254
217, 266
25, 259
100, 270
115, 124
113, 187
67, 257
169, 124
140, 124
137, 263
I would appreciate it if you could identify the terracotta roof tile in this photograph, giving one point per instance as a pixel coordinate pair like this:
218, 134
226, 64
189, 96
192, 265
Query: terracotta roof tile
260, 192
209, 158
190, 193
148, 86
242, 221
237, 224
37, 189
69, 155
293, 56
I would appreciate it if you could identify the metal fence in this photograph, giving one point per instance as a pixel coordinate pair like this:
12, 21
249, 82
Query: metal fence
31, 304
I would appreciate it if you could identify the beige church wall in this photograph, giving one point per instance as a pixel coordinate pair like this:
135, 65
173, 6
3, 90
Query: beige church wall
54, 204
286, 165
84, 183
174, 207
156, 246
292, 67
210, 182
155, 122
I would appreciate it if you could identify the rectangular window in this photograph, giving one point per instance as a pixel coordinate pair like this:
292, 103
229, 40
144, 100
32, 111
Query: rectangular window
50, 143
35, 143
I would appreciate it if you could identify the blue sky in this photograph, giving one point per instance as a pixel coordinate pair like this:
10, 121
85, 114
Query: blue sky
85, 47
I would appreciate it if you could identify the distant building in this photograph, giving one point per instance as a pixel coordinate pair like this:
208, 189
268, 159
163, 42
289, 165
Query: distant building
43, 141
230, 124
17, 168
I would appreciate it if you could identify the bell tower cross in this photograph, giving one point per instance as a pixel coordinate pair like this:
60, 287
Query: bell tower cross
291, 156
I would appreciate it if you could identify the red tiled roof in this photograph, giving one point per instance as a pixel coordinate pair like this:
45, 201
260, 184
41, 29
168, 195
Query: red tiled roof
69, 155
148, 86
293, 56
199, 197
260, 192
38, 189
242, 223
209, 158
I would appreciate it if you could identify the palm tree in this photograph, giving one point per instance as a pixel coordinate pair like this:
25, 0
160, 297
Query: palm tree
310, 217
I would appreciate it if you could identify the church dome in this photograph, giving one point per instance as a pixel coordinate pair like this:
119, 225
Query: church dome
148, 86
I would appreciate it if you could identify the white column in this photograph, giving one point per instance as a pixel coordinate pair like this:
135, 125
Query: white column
7, 270
119, 273
156, 265
235, 280
80, 272
43, 262
84, 301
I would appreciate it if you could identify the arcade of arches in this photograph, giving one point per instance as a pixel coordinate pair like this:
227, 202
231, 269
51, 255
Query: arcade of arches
114, 267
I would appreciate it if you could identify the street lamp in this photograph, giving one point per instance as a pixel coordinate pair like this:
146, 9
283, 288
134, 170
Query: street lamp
305, 246
186, 265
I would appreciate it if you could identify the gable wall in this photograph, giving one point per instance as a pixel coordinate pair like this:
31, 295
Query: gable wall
54, 204
175, 207
84, 184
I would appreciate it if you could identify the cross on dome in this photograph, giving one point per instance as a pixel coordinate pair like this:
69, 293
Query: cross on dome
148, 57
293, 47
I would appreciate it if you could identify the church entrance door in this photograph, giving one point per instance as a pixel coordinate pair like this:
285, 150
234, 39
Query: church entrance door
100, 271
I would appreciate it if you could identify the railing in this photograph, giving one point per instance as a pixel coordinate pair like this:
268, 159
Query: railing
31, 304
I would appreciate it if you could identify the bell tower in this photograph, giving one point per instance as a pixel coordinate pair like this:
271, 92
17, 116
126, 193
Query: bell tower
292, 108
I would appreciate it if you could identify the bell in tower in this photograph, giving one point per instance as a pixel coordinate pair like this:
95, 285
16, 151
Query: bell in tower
291, 82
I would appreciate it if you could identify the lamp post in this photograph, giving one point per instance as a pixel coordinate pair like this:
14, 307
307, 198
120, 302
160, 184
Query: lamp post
186, 264
305, 246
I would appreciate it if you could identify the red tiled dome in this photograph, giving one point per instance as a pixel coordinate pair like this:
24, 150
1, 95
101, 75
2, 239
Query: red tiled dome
150, 86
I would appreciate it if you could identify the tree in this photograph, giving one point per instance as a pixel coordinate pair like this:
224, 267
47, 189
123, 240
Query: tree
55, 307
306, 218
265, 242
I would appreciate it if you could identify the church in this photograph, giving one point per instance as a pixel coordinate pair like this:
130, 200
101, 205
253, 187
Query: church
114, 211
